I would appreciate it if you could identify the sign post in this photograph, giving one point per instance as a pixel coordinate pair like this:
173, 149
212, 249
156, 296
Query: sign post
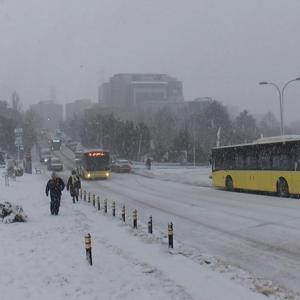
19, 141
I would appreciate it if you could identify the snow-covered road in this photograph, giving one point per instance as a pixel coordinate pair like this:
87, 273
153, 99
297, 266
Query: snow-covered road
45, 259
258, 233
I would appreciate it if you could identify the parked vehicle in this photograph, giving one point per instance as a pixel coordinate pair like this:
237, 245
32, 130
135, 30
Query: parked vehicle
121, 166
45, 154
55, 164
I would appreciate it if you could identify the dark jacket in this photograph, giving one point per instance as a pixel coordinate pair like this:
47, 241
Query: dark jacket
74, 185
55, 186
148, 162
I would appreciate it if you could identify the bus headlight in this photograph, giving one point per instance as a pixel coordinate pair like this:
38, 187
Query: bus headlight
88, 175
107, 174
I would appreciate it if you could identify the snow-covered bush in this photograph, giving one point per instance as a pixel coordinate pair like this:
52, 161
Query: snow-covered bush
11, 213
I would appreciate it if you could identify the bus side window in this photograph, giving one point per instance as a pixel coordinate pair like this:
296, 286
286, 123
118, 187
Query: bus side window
239, 161
251, 162
264, 161
297, 163
275, 162
281, 162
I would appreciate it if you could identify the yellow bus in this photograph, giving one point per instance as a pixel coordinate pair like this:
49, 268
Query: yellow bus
267, 165
94, 164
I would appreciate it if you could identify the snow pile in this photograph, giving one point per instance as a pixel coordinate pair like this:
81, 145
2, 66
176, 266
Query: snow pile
11, 213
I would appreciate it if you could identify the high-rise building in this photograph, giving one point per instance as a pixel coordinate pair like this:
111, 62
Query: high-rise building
138, 90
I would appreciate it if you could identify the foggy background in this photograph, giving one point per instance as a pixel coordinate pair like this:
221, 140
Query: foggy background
219, 49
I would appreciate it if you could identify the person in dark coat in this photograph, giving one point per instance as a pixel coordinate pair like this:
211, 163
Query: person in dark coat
148, 163
55, 185
74, 185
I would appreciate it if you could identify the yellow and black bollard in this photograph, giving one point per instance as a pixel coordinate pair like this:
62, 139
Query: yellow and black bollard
84, 195
113, 206
94, 200
88, 248
98, 202
105, 206
134, 217
150, 225
123, 213
89, 197
170, 234
80, 194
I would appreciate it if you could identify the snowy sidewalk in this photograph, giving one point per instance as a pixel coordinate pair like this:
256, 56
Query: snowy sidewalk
45, 258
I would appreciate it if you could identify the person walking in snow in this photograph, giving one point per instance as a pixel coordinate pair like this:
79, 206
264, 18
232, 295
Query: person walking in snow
55, 186
148, 163
74, 185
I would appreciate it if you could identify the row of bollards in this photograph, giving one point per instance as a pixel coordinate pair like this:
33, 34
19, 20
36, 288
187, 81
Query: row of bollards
87, 197
123, 214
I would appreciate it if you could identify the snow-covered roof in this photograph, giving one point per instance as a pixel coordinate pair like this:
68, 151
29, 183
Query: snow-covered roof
267, 140
278, 139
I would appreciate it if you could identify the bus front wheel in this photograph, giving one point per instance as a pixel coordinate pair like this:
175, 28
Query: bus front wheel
282, 188
229, 183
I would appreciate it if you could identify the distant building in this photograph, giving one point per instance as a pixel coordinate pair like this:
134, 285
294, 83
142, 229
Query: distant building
77, 108
51, 113
138, 90
198, 104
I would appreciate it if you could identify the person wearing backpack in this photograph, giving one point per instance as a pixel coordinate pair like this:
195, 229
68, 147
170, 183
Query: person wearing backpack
74, 185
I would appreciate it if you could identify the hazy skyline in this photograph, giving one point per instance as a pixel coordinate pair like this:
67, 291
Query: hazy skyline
219, 49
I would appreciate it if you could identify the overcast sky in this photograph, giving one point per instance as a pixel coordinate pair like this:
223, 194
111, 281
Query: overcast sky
218, 48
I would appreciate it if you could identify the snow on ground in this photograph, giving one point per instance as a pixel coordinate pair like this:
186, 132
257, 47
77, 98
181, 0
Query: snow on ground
45, 257
190, 175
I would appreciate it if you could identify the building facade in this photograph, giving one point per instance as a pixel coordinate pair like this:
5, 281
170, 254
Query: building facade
138, 90
77, 108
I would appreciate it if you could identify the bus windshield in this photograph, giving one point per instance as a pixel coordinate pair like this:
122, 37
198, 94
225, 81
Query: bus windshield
95, 163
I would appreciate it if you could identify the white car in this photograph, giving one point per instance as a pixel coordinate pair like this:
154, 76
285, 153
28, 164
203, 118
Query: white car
55, 164
121, 166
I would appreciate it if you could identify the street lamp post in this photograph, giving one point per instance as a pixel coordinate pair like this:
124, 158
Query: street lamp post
282, 93
281, 97
280, 103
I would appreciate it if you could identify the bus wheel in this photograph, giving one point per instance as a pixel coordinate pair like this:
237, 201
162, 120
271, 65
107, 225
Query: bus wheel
282, 188
229, 183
